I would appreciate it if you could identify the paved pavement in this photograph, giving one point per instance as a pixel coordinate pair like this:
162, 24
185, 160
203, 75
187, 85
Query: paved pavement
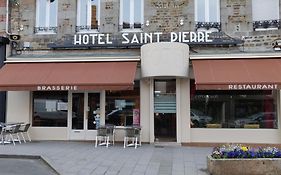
81, 158
26, 166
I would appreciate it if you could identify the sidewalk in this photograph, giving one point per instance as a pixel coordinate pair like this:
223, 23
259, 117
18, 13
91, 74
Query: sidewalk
82, 158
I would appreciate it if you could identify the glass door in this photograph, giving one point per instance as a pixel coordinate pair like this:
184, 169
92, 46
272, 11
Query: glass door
84, 115
165, 110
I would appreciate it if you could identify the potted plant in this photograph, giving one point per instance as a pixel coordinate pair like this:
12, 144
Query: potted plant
244, 160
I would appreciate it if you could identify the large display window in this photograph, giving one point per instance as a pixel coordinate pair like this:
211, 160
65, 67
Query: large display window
123, 107
233, 109
49, 109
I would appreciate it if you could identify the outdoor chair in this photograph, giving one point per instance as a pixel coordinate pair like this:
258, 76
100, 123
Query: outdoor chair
3, 134
14, 131
24, 130
132, 134
110, 131
102, 137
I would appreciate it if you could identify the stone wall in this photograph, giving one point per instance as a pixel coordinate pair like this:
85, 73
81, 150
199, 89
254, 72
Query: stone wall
2, 17
162, 16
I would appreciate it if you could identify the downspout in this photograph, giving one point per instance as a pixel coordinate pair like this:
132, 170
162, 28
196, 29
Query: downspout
7, 17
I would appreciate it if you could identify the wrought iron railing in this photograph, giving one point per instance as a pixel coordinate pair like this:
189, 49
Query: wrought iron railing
208, 25
131, 26
267, 24
45, 29
87, 28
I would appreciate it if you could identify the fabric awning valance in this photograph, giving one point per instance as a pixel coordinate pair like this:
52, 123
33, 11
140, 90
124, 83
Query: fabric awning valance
67, 76
239, 74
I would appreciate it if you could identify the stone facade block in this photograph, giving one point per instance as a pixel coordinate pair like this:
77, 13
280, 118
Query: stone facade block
162, 16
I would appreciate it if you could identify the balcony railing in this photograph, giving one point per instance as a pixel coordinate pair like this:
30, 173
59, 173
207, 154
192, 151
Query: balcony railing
131, 26
267, 24
87, 28
208, 25
45, 29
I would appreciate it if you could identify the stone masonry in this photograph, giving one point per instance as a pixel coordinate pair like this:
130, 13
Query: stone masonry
162, 15
2, 17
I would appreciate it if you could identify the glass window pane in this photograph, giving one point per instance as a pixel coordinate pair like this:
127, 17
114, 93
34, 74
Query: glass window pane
94, 12
42, 13
78, 111
83, 12
265, 10
50, 109
137, 13
126, 13
233, 109
213, 11
122, 107
165, 96
200, 11
53, 13
94, 110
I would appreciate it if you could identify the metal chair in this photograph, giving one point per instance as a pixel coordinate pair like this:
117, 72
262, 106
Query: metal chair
3, 134
102, 136
110, 131
24, 130
132, 134
14, 131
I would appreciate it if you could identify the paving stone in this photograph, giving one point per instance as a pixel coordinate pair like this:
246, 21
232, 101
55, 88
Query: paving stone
76, 158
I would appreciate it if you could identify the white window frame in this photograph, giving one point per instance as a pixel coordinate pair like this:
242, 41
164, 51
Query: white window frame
132, 15
89, 17
207, 12
259, 18
47, 17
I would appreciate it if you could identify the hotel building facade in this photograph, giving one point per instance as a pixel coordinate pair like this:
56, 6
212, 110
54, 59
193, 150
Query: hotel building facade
186, 71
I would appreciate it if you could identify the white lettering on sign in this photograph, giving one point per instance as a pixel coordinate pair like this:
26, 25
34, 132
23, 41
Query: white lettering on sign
57, 88
92, 39
141, 38
252, 86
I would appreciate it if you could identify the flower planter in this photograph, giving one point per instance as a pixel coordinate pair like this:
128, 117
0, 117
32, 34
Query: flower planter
255, 166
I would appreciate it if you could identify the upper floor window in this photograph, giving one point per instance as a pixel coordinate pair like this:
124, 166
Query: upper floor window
88, 15
46, 16
265, 14
207, 14
131, 14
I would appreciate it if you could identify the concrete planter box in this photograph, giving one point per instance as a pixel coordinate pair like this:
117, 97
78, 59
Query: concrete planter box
258, 166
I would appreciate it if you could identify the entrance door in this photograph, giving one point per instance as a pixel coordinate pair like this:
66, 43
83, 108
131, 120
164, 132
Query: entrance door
165, 110
84, 115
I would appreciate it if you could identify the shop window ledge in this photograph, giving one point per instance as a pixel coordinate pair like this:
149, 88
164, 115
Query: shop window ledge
251, 126
214, 125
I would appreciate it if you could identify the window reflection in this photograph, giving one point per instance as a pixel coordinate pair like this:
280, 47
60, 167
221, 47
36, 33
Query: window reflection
131, 14
137, 14
50, 109
207, 10
200, 11
46, 13
78, 111
126, 14
88, 15
94, 14
233, 109
122, 107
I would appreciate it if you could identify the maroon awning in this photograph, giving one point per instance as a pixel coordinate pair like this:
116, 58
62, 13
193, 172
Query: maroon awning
239, 74
67, 76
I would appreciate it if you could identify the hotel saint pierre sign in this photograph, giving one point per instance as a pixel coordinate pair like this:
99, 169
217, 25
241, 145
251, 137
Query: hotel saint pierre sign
137, 39
141, 38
